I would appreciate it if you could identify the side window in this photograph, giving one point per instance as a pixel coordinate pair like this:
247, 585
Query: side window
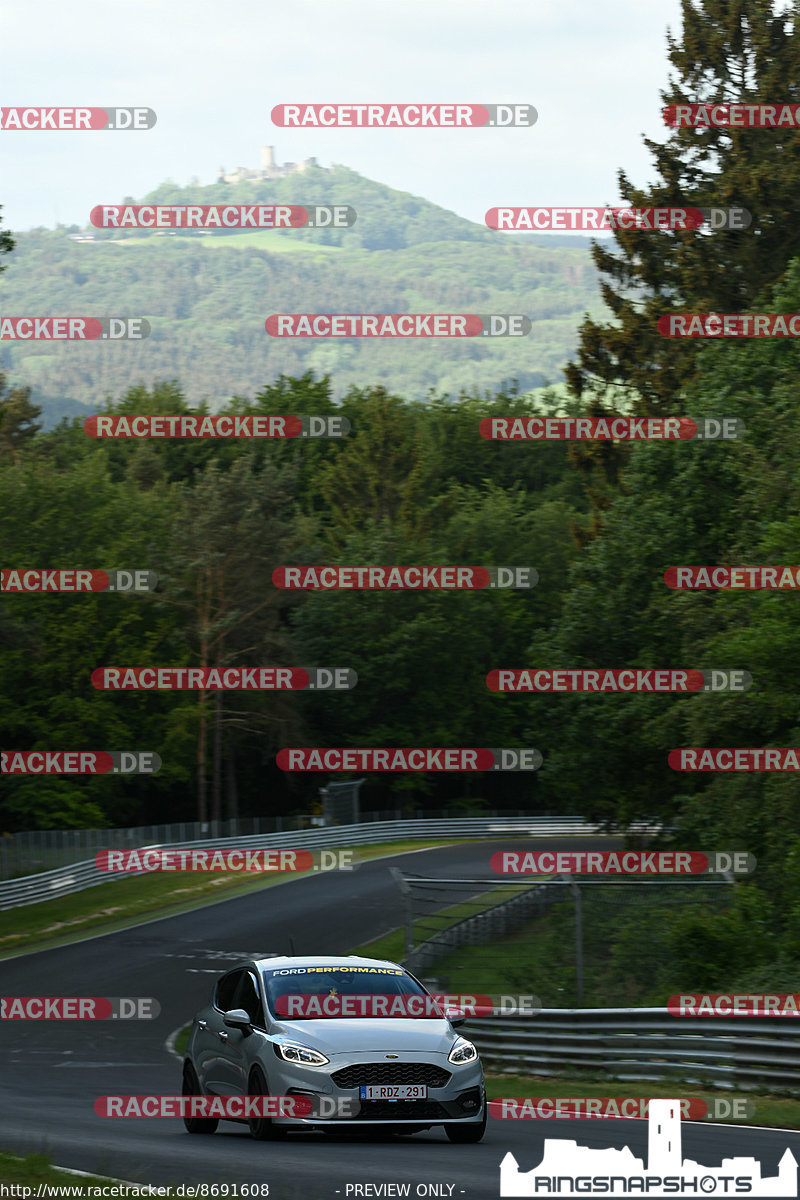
247, 997
225, 989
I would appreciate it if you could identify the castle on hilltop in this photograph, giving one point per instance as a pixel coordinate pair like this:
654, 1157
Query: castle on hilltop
269, 169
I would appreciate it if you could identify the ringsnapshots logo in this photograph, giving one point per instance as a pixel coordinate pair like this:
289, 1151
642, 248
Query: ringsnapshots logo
392, 325
408, 758
403, 116
225, 679
404, 578
570, 1171
224, 425
626, 680
79, 762
728, 116
610, 429
76, 118
222, 216
79, 1008
73, 329
71, 580
235, 859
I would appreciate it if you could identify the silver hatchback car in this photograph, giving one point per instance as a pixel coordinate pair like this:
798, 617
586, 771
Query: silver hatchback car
397, 1073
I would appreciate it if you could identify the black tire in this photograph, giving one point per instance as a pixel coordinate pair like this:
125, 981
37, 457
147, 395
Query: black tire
262, 1128
191, 1087
466, 1135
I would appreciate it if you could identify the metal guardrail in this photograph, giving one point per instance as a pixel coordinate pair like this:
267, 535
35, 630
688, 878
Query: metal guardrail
746, 1053
624, 1043
65, 881
494, 921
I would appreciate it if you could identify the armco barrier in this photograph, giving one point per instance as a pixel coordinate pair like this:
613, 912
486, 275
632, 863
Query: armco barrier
495, 921
64, 881
745, 1053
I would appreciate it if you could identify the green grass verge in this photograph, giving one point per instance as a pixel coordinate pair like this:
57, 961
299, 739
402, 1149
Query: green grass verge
36, 1168
267, 239
125, 902
393, 945
772, 1111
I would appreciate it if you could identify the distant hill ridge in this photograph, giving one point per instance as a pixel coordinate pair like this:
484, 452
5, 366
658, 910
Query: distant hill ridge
207, 296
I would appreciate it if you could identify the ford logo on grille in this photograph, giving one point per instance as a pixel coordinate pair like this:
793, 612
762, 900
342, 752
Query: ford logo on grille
392, 1056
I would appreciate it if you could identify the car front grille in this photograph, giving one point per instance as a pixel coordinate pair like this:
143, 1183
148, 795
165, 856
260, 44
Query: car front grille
400, 1110
397, 1073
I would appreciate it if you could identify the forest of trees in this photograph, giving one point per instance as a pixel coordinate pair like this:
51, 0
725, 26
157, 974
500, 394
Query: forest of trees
207, 298
415, 483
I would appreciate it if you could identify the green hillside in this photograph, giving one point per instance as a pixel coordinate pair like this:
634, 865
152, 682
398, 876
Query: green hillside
207, 297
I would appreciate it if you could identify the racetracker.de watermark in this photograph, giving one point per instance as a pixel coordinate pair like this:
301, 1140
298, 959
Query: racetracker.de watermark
729, 325
628, 679
79, 1008
435, 1006
73, 119
79, 762
224, 425
611, 429
735, 758
227, 679
626, 1108
733, 578
402, 325
236, 859
408, 758
761, 1004
73, 329
232, 1107
222, 216
63, 579
663, 219
621, 862
726, 116
408, 578
622, 217
403, 116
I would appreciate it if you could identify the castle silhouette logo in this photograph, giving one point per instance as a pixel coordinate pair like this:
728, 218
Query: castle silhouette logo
570, 1170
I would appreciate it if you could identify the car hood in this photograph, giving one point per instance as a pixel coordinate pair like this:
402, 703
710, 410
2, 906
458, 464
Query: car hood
384, 1035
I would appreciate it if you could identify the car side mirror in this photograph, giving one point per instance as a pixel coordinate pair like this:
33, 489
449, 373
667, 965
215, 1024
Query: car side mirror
455, 1017
237, 1018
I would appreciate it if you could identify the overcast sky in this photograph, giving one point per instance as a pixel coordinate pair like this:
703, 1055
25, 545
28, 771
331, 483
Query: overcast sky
213, 72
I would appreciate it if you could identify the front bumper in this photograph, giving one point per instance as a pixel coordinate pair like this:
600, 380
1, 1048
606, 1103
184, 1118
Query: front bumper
462, 1098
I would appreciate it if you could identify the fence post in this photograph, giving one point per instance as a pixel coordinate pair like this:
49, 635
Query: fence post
576, 892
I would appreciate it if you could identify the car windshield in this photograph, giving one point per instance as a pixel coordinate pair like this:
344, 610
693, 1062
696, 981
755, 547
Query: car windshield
324, 982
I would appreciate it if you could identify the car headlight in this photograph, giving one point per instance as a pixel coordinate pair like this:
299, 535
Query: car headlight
296, 1053
462, 1052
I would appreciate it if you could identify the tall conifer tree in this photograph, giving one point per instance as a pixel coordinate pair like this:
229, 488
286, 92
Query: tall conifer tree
743, 51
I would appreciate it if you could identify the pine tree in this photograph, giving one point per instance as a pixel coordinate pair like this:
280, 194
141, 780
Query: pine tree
17, 420
731, 51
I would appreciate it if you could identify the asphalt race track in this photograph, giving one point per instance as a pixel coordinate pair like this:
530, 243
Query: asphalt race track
51, 1072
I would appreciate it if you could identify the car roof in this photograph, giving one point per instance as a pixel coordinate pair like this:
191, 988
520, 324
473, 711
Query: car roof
324, 960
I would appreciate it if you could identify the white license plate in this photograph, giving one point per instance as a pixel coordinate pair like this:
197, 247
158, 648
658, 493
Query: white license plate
388, 1091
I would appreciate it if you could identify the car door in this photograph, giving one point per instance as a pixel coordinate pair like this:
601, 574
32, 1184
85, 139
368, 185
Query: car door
214, 1066
242, 1049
